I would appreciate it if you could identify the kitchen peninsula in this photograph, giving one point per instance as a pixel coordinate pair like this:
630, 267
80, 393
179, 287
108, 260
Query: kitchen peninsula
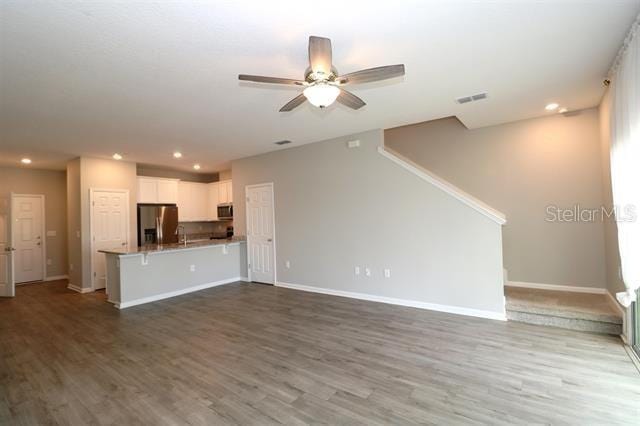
154, 272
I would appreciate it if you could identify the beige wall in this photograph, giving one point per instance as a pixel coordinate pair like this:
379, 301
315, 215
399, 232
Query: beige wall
614, 279
51, 184
96, 173
74, 225
520, 168
336, 208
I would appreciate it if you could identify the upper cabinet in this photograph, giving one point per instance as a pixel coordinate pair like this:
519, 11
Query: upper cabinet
197, 202
225, 192
157, 190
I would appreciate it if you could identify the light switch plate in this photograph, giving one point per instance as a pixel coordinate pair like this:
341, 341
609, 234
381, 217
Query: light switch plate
367, 272
387, 273
51, 233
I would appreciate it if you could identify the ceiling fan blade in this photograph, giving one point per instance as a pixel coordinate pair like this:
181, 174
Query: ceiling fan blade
320, 54
350, 100
373, 74
293, 103
272, 80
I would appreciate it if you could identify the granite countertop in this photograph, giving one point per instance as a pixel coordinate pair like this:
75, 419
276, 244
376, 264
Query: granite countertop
156, 248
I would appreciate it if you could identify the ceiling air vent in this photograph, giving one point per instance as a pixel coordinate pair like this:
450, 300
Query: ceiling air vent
472, 98
282, 142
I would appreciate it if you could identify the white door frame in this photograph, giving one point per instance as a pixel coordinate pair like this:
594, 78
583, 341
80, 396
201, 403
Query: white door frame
92, 192
273, 226
43, 232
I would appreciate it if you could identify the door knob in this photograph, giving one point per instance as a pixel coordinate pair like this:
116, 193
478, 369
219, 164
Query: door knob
38, 243
269, 240
9, 249
124, 244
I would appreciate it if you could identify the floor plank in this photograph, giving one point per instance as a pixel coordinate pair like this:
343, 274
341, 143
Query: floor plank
255, 354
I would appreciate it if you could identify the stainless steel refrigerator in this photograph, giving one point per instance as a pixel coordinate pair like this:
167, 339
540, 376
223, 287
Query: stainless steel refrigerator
157, 224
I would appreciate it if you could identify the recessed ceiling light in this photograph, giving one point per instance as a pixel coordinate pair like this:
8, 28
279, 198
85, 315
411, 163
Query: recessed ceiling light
562, 110
26, 161
551, 106
117, 156
177, 154
196, 166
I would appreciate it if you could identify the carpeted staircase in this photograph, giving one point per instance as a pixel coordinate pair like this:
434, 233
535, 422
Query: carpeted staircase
575, 311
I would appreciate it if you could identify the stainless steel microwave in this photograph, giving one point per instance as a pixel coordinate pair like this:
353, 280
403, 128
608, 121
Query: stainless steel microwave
225, 211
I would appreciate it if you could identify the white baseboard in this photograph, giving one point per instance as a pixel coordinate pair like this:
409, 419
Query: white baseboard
57, 277
79, 289
555, 287
123, 305
402, 302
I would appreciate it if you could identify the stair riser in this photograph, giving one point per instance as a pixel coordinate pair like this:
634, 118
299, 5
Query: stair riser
567, 323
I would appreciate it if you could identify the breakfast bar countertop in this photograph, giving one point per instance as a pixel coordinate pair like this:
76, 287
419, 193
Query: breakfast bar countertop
155, 248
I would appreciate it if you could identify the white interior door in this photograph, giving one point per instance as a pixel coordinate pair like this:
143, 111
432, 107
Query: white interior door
260, 233
28, 234
7, 284
109, 229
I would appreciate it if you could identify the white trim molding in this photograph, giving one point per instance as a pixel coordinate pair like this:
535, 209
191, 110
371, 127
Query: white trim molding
57, 277
79, 289
143, 300
500, 316
555, 287
445, 186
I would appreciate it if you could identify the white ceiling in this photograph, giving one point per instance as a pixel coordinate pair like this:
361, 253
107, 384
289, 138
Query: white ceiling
145, 79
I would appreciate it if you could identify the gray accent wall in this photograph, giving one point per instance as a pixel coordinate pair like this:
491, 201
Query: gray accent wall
337, 208
51, 184
520, 168
152, 171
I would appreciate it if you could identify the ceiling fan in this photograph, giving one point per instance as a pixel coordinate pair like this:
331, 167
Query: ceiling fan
321, 81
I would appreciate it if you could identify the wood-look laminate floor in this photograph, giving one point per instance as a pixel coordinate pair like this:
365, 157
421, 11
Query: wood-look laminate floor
254, 354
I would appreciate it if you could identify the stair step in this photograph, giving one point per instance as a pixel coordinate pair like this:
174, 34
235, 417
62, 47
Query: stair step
574, 311
579, 324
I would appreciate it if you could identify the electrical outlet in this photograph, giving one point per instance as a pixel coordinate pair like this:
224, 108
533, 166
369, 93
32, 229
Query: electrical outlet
71, 266
387, 273
49, 262
192, 268
287, 264
356, 270
367, 272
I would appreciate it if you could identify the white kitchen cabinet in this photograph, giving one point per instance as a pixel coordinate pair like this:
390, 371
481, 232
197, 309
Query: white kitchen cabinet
193, 202
225, 191
167, 191
214, 196
157, 190
198, 202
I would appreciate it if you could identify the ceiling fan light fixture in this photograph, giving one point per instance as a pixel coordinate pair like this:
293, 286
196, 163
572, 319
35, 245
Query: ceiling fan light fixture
321, 94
